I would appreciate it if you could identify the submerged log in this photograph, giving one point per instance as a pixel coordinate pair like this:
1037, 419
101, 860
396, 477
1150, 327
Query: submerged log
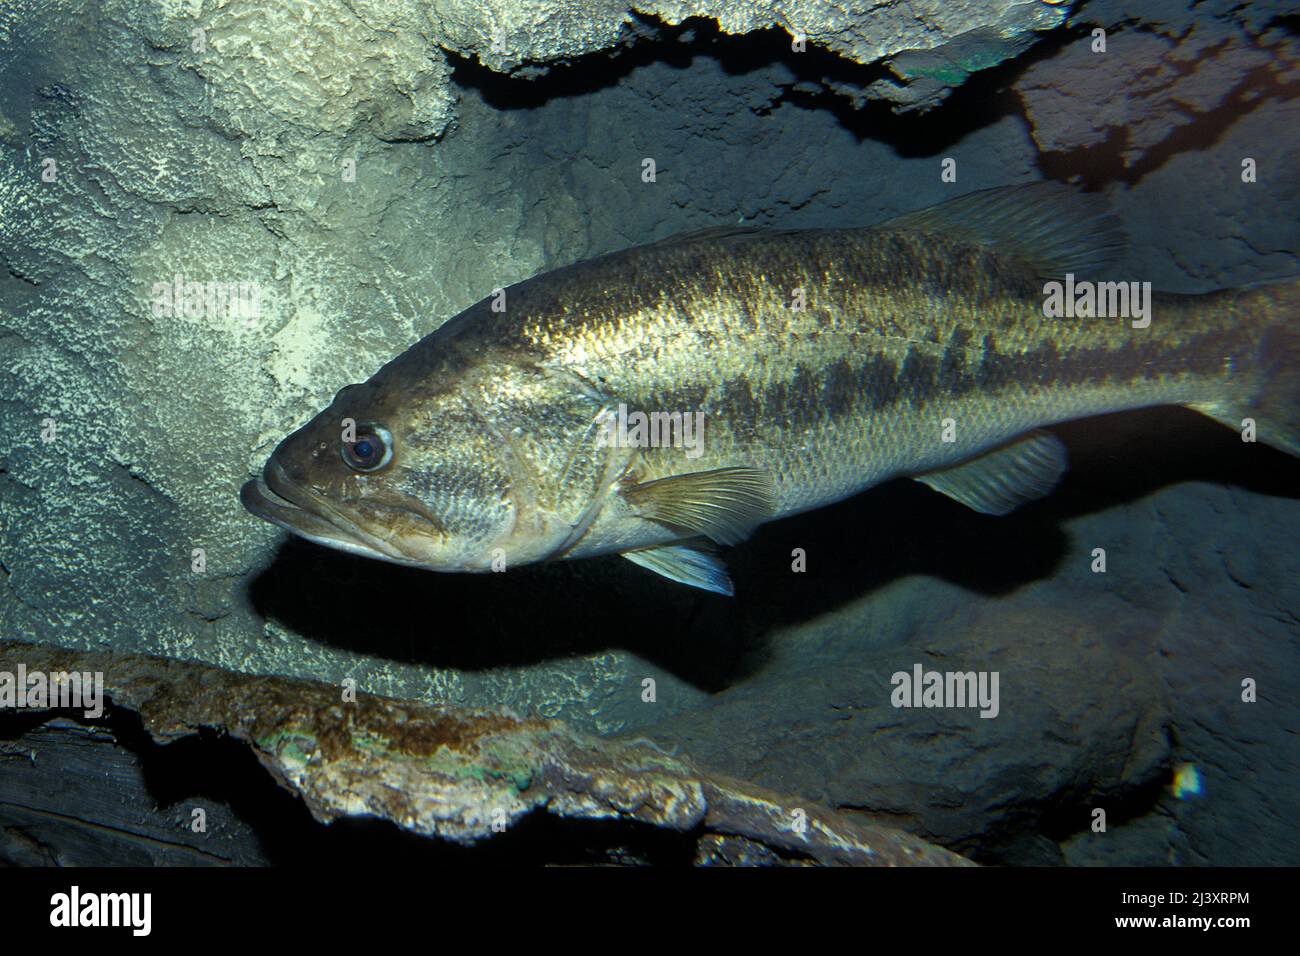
76, 789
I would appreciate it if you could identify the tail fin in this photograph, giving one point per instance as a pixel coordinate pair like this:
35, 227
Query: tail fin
1273, 397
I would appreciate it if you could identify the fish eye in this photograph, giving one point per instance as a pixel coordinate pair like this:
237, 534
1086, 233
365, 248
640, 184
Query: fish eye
372, 450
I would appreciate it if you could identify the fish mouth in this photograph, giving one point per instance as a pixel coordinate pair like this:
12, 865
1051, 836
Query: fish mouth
274, 498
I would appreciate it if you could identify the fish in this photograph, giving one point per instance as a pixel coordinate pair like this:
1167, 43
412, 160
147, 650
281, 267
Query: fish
664, 401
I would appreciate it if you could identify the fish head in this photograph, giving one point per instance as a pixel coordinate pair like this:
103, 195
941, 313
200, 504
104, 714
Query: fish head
460, 469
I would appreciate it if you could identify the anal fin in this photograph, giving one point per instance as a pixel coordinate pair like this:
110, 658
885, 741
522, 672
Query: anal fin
686, 565
1001, 480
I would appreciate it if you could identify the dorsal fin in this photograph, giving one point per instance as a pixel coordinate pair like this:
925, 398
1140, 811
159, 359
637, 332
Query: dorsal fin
1050, 226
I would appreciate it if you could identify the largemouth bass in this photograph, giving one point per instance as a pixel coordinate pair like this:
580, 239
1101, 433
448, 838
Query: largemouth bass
780, 371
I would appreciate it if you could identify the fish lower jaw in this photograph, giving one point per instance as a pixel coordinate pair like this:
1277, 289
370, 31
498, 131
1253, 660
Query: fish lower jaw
260, 499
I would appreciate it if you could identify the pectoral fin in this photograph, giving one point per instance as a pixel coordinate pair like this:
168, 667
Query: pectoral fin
1002, 480
725, 504
686, 565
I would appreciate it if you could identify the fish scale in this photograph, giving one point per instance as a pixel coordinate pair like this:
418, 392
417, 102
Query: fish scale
854, 390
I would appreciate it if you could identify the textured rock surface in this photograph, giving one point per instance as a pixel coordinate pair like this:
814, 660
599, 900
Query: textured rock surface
228, 163
1078, 726
465, 775
1137, 88
941, 43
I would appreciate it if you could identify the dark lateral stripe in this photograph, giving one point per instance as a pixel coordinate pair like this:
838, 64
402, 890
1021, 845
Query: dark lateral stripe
872, 382
1139, 358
